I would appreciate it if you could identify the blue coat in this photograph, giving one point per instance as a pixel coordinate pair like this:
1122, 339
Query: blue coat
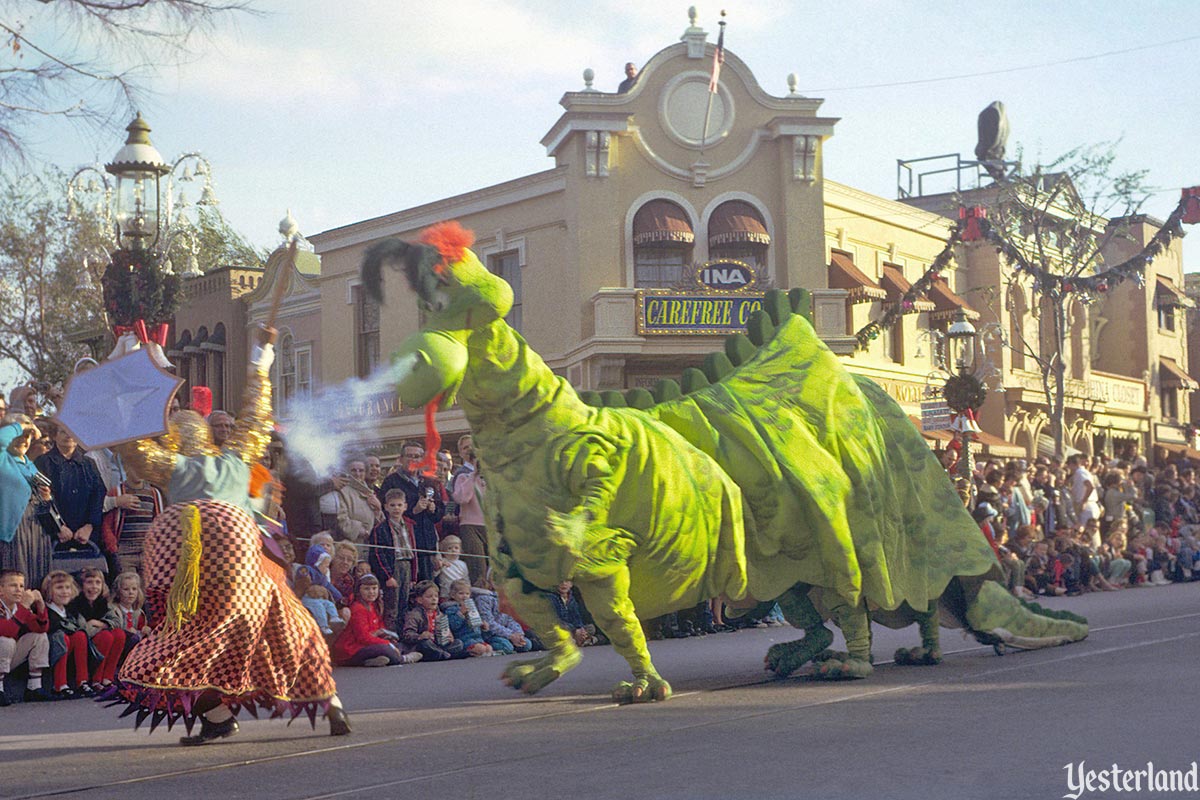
77, 488
15, 487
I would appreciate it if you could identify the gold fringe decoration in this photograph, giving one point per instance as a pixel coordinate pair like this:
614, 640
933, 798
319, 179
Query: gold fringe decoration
184, 598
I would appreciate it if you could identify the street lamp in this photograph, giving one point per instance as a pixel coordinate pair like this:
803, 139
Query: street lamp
137, 167
965, 393
960, 340
134, 199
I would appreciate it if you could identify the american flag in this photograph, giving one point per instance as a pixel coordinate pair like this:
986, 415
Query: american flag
718, 60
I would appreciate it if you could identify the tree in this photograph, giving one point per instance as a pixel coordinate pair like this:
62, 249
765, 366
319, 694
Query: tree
51, 262
212, 243
44, 261
90, 61
1053, 225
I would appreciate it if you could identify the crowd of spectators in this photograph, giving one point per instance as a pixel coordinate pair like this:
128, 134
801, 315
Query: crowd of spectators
391, 562
1088, 523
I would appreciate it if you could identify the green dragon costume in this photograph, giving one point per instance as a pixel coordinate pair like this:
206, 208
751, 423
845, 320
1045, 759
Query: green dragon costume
773, 474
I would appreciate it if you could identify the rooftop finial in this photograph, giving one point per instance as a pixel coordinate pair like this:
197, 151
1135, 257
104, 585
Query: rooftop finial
692, 16
589, 75
288, 227
792, 81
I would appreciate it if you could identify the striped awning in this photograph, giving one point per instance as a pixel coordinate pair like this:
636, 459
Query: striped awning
1171, 376
843, 274
947, 304
736, 221
661, 221
896, 286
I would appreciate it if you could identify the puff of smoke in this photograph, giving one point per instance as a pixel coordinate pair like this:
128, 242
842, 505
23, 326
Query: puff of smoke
322, 428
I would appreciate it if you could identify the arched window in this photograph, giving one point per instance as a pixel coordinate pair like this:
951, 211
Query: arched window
1079, 356
200, 362
285, 385
662, 245
736, 231
1016, 326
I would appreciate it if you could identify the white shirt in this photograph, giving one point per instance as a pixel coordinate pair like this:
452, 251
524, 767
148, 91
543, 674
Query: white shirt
1080, 494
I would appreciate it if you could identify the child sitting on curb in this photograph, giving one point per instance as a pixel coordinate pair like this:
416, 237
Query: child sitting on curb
426, 629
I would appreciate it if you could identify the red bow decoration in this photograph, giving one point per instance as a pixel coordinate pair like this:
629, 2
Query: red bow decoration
138, 329
971, 216
1191, 205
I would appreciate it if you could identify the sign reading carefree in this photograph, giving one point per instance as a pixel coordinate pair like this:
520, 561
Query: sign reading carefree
666, 312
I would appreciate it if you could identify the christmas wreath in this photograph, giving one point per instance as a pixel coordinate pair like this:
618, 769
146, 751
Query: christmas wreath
963, 392
135, 288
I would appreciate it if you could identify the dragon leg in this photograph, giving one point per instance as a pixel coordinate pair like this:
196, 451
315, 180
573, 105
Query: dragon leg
855, 624
930, 651
607, 598
532, 675
996, 618
786, 657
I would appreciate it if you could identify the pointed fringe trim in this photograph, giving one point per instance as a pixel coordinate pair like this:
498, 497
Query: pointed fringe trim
178, 705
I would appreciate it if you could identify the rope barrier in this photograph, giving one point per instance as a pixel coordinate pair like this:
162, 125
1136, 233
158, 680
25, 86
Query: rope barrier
413, 549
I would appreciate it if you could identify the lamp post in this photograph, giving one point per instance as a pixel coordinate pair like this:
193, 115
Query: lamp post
140, 201
964, 392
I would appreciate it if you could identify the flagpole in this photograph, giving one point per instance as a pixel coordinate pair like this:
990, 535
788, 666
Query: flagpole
718, 56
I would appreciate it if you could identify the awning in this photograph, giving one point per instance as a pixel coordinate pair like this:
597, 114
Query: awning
843, 274
736, 221
661, 221
1170, 376
896, 286
995, 446
1179, 450
1045, 447
1173, 294
937, 437
946, 304
991, 445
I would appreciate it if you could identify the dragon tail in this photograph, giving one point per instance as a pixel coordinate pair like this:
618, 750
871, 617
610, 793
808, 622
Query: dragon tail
994, 616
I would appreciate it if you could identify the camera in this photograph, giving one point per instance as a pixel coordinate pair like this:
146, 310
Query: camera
429, 492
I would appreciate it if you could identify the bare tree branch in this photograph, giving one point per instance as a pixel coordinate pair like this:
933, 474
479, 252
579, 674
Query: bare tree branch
92, 61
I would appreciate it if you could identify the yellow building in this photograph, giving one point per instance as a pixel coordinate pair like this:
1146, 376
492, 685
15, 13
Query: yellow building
648, 240
652, 236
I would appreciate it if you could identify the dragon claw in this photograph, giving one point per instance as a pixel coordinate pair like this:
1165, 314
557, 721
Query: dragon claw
786, 657
531, 676
918, 656
841, 669
645, 689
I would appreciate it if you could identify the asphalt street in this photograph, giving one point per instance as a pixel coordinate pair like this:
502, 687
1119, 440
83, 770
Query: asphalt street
977, 726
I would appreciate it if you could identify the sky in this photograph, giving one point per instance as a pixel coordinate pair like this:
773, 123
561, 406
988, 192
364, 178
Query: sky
345, 111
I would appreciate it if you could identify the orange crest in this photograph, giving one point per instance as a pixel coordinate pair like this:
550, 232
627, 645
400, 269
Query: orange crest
450, 239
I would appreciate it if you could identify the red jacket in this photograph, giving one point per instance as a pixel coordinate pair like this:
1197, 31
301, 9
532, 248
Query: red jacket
24, 621
359, 632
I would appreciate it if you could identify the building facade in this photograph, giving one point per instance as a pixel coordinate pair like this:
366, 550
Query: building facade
654, 235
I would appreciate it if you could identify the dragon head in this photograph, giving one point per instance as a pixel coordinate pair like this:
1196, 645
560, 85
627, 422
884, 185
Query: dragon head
458, 296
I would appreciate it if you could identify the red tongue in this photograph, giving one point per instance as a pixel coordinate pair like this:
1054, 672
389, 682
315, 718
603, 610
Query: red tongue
433, 439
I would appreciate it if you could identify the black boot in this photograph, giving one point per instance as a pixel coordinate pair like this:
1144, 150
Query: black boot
210, 731
339, 723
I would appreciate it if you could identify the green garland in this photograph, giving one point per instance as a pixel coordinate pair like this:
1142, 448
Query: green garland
963, 392
135, 287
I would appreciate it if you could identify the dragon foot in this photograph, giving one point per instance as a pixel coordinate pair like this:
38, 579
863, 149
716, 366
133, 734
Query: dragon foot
533, 675
644, 689
786, 657
918, 656
834, 666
